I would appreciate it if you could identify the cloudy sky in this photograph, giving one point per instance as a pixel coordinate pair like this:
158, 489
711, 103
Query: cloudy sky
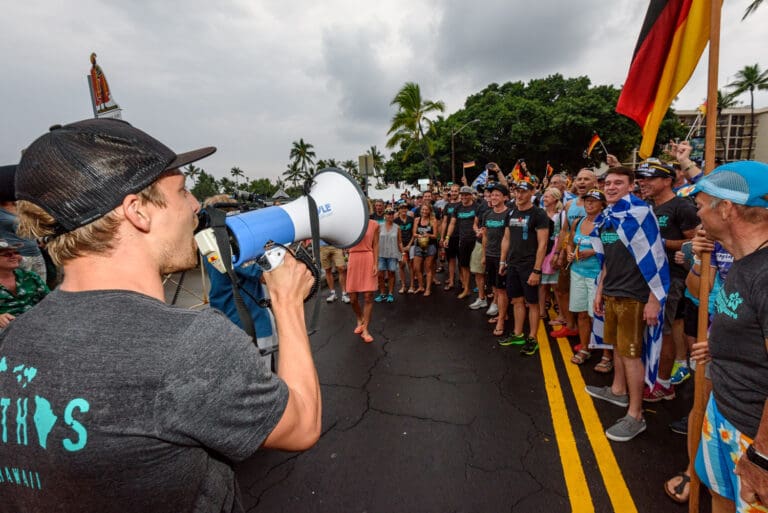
251, 76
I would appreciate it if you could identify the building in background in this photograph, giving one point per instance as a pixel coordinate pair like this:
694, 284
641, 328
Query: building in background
733, 132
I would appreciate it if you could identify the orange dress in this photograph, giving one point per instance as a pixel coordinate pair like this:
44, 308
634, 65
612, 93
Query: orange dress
360, 275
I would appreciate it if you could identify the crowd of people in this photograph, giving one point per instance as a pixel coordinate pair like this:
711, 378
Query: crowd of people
611, 260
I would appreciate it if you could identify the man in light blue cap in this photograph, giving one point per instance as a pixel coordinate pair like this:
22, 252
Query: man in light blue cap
733, 455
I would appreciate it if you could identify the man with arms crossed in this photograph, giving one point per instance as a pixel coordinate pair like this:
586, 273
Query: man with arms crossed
113, 400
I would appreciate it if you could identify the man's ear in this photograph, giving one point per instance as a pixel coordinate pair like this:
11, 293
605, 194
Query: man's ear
135, 213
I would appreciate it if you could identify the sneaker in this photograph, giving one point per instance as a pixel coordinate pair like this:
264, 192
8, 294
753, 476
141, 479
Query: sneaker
478, 304
679, 374
390, 298
606, 394
512, 340
680, 426
564, 332
493, 310
331, 297
380, 298
625, 429
530, 347
345, 298
658, 393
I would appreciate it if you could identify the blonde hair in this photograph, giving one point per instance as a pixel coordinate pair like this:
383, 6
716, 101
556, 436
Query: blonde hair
97, 237
555, 192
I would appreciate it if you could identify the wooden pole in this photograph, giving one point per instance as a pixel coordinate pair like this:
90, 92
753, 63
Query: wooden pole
700, 393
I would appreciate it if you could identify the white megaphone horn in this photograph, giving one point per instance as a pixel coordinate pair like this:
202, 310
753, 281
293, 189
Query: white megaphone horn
342, 210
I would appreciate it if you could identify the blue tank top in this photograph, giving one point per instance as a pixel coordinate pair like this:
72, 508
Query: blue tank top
575, 212
588, 267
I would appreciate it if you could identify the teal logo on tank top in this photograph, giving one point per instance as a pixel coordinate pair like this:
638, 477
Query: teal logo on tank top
27, 419
728, 305
609, 237
663, 221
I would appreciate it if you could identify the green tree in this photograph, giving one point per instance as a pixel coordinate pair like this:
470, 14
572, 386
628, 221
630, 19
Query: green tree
378, 163
192, 172
412, 129
236, 173
262, 186
303, 156
293, 174
748, 79
227, 186
205, 186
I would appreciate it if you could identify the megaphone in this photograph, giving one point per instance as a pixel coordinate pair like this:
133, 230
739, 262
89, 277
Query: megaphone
342, 211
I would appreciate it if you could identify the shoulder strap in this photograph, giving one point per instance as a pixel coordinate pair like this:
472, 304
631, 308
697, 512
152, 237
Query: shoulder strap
314, 226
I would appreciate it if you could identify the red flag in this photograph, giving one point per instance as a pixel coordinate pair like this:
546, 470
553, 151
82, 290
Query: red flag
550, 170
592, 143
671, 41
517, 175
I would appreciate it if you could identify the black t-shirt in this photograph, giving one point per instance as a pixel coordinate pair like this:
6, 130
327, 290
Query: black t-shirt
675, 217
482, 210
406, 228
523, 239
494, 224
622, 277
739, 367
449, 210
378, 219
465, 221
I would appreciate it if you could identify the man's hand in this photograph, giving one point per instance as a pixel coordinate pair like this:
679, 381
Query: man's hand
5, 319
700, 352
290, 282
700, 243
597, 304
612, 161
651, 311
754, 481
534, 279
681, 151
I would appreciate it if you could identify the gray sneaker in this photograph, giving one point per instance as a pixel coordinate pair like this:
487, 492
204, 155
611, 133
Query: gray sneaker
605, 394
625, 429
493, 310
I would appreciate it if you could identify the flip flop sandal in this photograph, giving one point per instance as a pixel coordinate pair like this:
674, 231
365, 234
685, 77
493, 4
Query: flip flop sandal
681, 491
581, 357
557, 322
359, 329
498, 332
411, 291
401, 291
448, 286
366, 338
605, 366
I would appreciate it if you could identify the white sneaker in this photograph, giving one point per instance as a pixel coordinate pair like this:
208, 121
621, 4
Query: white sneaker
493, 310
331, 297
345, 297
479, 303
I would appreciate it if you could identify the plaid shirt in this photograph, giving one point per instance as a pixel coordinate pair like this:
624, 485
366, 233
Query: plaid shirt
30, 289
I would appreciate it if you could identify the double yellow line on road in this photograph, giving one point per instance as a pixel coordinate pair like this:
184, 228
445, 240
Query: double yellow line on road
573, 469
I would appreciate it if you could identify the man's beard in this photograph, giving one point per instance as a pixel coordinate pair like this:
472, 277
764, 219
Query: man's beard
179, 259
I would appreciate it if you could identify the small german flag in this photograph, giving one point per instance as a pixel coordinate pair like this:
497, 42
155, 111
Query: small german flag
592, 143
671, 41
550, 170
469, 164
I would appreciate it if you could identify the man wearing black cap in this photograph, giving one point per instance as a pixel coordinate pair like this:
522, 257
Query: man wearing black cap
119, 402
677, 223
523, 249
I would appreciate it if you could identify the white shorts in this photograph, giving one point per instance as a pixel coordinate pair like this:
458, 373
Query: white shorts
583, 291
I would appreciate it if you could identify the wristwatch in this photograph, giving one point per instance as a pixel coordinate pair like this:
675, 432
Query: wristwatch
757, 458
537, 271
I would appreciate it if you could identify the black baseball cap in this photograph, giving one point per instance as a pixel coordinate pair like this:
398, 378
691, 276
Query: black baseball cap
654, 168
594, 194
526, 186
81, 171
498, 187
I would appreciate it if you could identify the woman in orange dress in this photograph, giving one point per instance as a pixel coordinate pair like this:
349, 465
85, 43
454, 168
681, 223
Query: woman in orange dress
362, 272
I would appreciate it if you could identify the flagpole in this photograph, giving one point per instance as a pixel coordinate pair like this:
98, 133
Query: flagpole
603, 145
699, 395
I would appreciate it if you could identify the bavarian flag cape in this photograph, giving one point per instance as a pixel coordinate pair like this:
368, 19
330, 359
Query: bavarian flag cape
638, 230
671, 41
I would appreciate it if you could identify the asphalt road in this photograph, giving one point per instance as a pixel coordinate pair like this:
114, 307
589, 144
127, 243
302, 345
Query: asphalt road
435, 416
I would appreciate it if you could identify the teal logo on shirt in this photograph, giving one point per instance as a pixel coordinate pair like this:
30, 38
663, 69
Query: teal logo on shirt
663, 221
728, 305
465, 215
609, 237
494, 223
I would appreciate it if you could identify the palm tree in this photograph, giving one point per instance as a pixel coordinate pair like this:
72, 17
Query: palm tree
237, 172
350, 166
333, 163
749, 79
410, 125
192, 171
302, 155
293, 173
724, 101
751, 8
227, 186
378, 162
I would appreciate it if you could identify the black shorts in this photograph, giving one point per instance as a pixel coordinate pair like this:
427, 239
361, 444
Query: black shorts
492, 276
452, 251
517, 283
691, 323
465, 251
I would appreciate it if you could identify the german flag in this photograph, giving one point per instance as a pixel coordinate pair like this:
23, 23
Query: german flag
469, 164
592, 143
671, 41
550, 169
